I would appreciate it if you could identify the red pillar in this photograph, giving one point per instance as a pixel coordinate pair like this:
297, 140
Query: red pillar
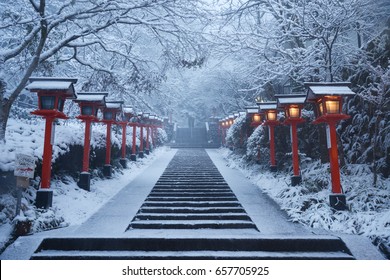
294, 144
108, 144
47, 154
334, 159
154, 133
87, 140
272, 145
147, 137
133, 148
124, 140
141, 145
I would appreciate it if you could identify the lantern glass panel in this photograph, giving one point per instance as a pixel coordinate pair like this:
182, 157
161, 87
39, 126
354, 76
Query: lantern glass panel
271, 115
86, 110
108, 115
256, 118
332, 106
294, 112
61, 102
48, 102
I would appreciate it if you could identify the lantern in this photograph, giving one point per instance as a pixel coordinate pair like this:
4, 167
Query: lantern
52, 93
327, 98
271, 120
292, 105
110, 112
89, 103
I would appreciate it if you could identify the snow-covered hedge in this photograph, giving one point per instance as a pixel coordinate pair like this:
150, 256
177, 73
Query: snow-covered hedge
308, 203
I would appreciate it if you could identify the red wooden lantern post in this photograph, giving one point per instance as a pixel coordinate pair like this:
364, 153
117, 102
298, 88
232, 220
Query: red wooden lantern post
52, 93
89, 103
327, 98
141, 138
128, 113
292, 105
271, 115
110, 112
147, 127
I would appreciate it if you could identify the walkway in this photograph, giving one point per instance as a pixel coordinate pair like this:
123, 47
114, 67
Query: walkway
189, 205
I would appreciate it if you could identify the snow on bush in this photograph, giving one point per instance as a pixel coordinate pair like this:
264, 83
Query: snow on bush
308, 203
234, 135
256, 144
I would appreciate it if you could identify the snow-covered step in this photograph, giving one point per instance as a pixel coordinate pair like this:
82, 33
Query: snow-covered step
191, 210
190, 198
193, 194
193, 224
191, 204
187, 216
191, 189
267, 247
191, 255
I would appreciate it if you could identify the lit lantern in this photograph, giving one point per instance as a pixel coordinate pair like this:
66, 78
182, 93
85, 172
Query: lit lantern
52, 93
110, 112
89, 103
253, 113
328, 100
292, 106
271, 120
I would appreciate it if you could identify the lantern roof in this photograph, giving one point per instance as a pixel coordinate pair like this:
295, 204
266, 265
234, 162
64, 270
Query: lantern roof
114, 105
128, 110
252, 109
98, 97
316, 90
58, 84
268, 106
290, 99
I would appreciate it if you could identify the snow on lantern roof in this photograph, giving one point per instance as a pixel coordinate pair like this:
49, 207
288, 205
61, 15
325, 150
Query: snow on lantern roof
252, 109
128, 110
43, 84
327, 88
268, 106
114, 104
289, 99
91, 97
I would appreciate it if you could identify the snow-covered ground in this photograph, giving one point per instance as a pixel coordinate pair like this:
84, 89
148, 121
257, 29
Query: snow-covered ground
71, 205
308, 204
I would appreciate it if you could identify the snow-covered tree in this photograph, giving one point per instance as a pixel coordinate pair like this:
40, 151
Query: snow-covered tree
110, 37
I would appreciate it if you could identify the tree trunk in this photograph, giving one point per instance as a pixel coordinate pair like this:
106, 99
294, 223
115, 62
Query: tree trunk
5, 108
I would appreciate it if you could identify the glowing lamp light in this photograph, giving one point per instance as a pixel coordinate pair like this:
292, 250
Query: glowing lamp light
256, 118
271, 115
293, 112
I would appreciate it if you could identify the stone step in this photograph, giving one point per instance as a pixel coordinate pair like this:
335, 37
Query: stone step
193, 224
194, 194
187, 183
191, 204
190, 198
189, 189
176, 216
266, 247
191, 210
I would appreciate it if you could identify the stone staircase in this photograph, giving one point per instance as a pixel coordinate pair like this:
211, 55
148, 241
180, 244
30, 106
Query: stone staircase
191, 194
192, 213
